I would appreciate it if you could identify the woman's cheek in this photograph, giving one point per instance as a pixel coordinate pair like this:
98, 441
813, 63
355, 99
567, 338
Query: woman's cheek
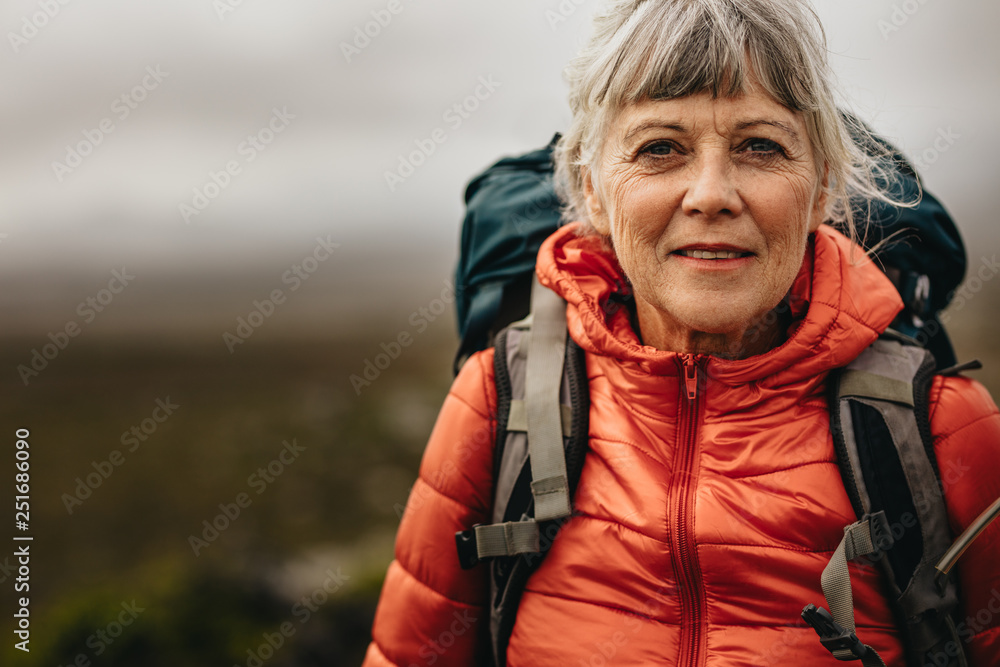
650, 198
638, 220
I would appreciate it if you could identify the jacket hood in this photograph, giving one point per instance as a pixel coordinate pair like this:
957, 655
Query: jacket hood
840, 302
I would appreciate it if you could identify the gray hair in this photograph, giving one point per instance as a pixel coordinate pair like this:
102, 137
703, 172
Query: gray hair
667, 49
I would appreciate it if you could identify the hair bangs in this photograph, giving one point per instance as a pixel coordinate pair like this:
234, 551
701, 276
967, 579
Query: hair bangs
706, 49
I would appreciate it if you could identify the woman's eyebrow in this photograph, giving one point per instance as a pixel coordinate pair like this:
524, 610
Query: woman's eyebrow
743, 125
773, 123
652, 125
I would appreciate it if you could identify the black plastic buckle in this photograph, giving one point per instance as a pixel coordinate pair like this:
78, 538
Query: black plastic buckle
881, 531
468, 550
832, 635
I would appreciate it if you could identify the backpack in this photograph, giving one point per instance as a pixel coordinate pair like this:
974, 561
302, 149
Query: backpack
878, 400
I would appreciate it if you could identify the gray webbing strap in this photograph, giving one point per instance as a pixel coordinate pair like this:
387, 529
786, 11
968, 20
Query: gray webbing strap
543, 376
507, 539
517, 420
878, 387
836, 581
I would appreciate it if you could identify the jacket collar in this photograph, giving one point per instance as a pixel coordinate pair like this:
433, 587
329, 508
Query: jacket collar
839, 302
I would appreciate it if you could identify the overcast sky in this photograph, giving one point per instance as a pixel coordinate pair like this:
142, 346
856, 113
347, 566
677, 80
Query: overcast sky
200, 77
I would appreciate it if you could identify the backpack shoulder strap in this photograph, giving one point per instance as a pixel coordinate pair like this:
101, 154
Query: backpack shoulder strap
879, 419
543, 378
541, 441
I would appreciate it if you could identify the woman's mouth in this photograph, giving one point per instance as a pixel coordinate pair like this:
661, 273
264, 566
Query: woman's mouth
712, 254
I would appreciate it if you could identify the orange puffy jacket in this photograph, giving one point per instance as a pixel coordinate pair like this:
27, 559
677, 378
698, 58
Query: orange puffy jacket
701, 527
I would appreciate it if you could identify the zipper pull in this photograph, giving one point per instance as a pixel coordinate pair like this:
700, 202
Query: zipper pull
691, 377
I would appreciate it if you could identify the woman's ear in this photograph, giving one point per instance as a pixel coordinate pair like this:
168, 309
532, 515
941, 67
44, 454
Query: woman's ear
820, 213
595, 207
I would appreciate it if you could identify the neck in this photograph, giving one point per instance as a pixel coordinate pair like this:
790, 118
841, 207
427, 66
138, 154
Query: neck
663, 333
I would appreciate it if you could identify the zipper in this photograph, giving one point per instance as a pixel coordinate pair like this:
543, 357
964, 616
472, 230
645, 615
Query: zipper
682, 508
691, 377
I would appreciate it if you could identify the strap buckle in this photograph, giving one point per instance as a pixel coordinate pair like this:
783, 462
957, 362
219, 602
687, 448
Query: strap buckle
468, 549
837, 640
881, 531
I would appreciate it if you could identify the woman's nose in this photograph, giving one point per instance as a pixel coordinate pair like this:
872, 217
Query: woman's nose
711, 191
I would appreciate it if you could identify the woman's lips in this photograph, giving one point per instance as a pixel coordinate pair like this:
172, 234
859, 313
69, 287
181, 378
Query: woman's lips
713, 252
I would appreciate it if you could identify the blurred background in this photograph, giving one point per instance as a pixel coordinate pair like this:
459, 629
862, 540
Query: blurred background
208, 484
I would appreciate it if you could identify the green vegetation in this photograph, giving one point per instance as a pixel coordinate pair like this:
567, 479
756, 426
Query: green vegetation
129, 533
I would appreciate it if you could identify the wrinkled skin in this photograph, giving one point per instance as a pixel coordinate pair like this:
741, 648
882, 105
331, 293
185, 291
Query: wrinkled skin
736, 174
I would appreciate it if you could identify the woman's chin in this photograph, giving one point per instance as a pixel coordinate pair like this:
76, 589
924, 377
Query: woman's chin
714, 315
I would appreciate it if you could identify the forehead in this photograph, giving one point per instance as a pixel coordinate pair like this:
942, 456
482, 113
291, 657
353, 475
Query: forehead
702, 111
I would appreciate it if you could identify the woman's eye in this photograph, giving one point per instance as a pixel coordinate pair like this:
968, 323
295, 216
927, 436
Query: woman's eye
658, 149
764, 147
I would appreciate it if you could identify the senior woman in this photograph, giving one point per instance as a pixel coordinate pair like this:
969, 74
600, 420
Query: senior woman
705, 157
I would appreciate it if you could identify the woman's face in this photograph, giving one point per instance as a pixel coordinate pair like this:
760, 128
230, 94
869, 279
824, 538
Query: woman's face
709, 203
